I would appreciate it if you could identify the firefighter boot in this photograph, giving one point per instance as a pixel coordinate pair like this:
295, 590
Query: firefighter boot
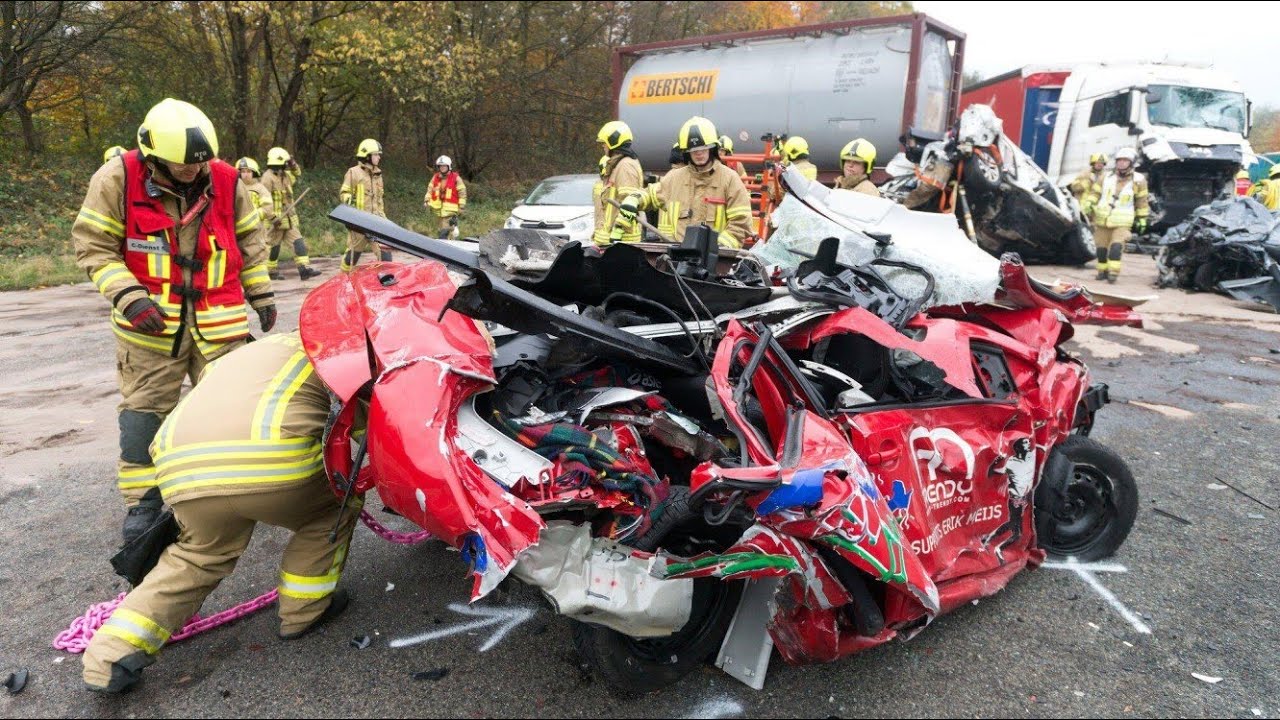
1113, 261
126, 673
143, 515
305, 271
1102, 262
273, 264
337, 604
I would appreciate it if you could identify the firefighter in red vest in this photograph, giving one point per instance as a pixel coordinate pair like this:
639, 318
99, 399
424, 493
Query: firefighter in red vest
171, 238
447, 196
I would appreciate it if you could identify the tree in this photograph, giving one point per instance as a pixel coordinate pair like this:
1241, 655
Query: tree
42, 40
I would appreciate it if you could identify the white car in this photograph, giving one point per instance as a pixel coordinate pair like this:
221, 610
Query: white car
561, 205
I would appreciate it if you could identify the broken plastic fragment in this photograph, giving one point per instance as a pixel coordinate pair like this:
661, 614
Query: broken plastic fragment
361, 642
434, 675
1206, 678
16, 681
391, 586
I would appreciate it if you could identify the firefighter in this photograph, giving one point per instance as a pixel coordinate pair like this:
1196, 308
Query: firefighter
796, 152
675, 158
1267, 191
1090, 175
1244, 184
622, 177
282, 173
362, 189
251, 177
703, 191
173, 242
726, 154
856, 160
1117, 205
447, 196
244, 447
114, 151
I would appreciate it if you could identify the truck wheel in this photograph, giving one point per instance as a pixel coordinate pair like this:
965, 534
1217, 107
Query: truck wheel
631, 666
1077, 246
1086, 502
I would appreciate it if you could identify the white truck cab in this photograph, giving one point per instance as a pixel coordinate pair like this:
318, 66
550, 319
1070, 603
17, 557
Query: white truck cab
1187, 123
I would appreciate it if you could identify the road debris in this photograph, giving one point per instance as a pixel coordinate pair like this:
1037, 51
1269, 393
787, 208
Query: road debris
16, 682
1207, 678
361, 642
1171, 516
433, 675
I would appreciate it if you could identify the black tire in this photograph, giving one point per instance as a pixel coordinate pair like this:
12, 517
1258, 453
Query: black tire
1077, 246
1206, 277
982, 174
1086, 502
631, 666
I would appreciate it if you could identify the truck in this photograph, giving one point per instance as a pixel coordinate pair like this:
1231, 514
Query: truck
1188, 124
874, 78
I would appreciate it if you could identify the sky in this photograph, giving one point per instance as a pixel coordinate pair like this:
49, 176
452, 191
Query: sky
1235, 37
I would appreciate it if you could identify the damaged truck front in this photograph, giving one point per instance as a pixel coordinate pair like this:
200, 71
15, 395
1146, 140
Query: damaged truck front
692, 464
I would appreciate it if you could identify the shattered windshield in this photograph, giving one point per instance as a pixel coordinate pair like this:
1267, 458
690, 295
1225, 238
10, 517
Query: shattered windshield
1192, 107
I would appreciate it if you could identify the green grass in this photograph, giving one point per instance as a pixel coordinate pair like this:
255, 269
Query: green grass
39, 199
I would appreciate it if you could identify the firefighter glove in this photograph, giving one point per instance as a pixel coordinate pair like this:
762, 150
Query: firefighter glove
145, 316
1140, 225
453, 221
267, 317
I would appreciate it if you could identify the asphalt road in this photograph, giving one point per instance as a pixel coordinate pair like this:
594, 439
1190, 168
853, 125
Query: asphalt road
1049, 645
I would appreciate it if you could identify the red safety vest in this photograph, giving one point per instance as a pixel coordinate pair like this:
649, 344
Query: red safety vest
450, 194
151, 246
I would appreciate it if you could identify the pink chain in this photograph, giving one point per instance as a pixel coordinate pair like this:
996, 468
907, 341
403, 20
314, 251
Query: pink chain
76, 638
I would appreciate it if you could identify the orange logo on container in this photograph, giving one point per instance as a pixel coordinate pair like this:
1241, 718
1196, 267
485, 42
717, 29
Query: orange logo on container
672, 87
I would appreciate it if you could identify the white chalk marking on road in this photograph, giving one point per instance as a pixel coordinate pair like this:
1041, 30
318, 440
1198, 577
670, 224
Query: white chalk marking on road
1085, 571
717, 708
1091, 567
507, 619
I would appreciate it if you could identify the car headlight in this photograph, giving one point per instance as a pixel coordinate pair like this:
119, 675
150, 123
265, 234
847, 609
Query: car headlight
512, 222
582, 224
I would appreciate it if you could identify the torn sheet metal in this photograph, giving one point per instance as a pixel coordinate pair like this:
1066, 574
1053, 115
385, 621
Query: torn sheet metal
603, 582
747, 645
1019, 289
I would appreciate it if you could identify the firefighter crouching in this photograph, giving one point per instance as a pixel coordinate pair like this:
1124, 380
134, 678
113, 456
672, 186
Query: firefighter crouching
703, 191
243, 447
362, 189
173, 242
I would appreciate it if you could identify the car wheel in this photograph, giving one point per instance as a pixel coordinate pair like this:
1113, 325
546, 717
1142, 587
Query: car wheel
631, 666
1086, 502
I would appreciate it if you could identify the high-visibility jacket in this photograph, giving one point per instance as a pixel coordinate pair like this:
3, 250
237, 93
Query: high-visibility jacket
280, 184
688, 196
1118, 201
447, 194
261, 197
253, 423
1084, 182
857, 183
1267, 192
129, 240
624, 177
362, 189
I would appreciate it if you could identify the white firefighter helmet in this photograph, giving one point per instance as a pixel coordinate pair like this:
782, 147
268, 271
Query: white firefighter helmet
444, 160
1128, 153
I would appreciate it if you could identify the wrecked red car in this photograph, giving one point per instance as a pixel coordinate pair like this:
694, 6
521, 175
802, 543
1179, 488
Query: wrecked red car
693, 463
